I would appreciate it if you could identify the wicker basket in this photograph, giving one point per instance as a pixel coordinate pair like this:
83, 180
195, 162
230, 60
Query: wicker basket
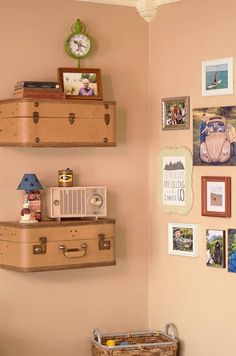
141, 343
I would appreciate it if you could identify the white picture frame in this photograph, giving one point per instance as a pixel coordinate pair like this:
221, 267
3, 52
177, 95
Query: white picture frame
175, 194
217, 77
183, 239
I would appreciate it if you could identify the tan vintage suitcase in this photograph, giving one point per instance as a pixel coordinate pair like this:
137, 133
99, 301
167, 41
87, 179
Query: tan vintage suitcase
57, 122
52, 245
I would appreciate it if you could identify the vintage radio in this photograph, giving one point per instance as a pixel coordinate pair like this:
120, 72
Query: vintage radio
73, 202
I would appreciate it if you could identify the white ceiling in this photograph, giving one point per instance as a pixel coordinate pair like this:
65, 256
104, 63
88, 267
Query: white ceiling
146, 8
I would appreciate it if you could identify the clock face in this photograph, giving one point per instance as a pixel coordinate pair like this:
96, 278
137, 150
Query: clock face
78, 45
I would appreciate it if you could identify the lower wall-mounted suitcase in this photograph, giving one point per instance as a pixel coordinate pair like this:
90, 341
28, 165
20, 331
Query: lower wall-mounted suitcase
51, 245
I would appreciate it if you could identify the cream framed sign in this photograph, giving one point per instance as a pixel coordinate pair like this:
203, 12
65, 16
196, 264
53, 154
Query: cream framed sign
175, 193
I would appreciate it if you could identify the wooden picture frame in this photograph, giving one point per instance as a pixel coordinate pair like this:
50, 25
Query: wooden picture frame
217, 77
81, 83
183, 239
175, 113
216, 196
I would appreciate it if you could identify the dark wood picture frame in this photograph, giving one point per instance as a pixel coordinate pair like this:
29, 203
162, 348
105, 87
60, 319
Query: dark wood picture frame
71, 81
217, 201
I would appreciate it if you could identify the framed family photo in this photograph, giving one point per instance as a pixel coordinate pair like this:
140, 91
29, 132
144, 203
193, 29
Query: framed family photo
214, 136
215, 248
217, 77
183, 239
175, 113
216, 196
78, 83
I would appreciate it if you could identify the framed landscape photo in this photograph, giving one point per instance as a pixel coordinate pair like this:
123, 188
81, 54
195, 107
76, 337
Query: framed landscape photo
217, 77
216, 196
78, 83
175, 113
215, 248
183, 239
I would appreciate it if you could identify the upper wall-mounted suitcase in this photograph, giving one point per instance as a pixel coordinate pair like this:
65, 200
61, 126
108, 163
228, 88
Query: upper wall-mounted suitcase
57, 122
52, 245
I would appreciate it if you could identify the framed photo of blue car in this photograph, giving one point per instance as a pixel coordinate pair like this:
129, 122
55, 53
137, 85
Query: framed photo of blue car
217, 77
81, 83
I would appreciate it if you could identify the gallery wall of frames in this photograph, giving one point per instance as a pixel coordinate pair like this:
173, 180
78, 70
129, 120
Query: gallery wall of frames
214, 144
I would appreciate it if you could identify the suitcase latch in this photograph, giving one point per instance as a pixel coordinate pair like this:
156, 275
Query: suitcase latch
71, 117
41, 248
35, 117
103, 244
107, 119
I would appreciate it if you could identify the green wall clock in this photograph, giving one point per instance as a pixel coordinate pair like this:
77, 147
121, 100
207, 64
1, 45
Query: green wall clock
78, 44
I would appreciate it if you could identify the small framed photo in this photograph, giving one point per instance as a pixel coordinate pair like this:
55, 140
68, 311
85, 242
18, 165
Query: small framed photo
232, 250
183, 239
216, 196
78, 83
175, 113
217, 77
215, 248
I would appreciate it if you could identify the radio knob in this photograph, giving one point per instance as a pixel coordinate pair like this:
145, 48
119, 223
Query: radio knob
56, 202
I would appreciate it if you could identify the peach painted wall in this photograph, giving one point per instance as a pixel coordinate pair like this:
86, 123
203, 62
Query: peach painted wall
53, 313
200, 300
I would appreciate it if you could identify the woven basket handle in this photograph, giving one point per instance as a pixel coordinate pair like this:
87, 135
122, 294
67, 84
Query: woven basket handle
173, 328
97, 335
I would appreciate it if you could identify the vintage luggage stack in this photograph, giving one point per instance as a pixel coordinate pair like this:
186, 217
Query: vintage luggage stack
57, 123
52, 245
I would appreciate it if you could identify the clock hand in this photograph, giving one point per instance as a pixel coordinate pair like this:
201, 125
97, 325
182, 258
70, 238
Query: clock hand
79, 44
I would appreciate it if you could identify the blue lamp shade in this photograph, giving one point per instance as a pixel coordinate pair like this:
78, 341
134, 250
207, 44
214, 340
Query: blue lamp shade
29, 183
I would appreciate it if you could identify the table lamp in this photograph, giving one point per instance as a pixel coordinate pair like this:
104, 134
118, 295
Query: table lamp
31, 211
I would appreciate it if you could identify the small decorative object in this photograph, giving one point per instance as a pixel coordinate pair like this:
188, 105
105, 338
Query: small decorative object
81, 83
65, 178
232, 250
215, 248
26, 215
216, 196
31, 185
175, 113
217, 77
175, 180
110, 343
182, 239
214, 136
78, 44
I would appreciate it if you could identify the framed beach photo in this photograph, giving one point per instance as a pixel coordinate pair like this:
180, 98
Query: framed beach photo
183, 239
175, 113
78, 83
216, 196
217, 77
215, 248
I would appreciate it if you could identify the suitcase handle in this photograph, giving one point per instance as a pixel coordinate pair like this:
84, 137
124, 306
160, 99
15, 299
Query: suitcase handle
74, 252
174, 333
